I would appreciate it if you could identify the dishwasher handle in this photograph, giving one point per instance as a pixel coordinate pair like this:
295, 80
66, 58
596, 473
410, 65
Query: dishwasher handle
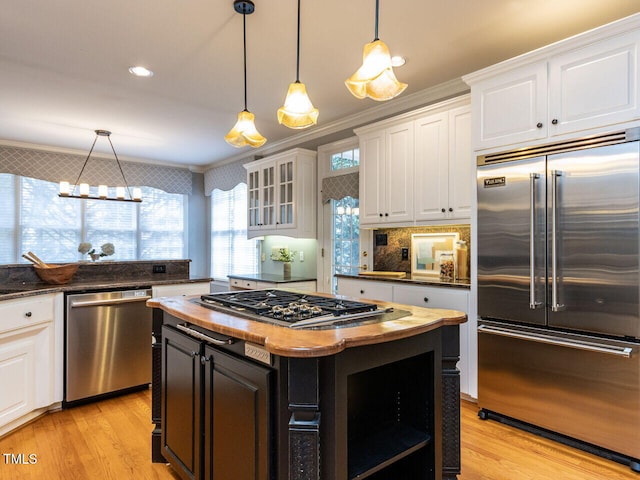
201, 336
110, 301
625, 352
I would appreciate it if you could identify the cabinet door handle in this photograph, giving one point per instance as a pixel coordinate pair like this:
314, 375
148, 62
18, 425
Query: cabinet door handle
539, 125
386, 214
381, 214
450, 209
554, 121
204, 359
361, 291
28, 314
443, 210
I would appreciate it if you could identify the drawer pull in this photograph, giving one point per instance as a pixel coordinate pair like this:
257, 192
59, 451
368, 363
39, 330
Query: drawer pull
28, 314
426, 299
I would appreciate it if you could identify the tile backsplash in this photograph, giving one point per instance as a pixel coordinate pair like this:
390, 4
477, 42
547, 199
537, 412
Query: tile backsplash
389, 257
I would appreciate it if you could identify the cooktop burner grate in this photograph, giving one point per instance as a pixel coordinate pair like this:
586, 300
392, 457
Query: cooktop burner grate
288, 307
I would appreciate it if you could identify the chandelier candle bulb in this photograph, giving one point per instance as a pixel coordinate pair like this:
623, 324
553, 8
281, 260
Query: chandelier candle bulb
84, 189
119, 192
103, 191
137, 193
64, 188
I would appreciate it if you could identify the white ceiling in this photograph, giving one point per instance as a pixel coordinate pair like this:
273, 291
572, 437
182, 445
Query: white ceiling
64, 64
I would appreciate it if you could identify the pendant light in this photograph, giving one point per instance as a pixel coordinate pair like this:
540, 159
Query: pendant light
244, 132
298, 111
375, 78
84, 189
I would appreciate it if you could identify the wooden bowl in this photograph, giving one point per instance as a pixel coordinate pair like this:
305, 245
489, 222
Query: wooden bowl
56, 274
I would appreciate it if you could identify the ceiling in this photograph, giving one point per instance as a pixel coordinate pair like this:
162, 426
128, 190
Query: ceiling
64, 65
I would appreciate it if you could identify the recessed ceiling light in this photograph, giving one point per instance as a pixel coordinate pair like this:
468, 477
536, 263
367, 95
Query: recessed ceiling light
140, 71
397, 61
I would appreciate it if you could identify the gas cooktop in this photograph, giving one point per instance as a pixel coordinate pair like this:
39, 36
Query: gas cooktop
293, 309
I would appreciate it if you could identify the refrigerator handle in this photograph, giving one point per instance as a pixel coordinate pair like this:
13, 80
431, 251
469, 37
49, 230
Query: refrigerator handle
618, 351
533, 303
555, 306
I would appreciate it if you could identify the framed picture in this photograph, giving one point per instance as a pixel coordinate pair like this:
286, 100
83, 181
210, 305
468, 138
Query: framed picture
426, 249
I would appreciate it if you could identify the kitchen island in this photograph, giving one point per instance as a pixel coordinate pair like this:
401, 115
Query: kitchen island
239, 398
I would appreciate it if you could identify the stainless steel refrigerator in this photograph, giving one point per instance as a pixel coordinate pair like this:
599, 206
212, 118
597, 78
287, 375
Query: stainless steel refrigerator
558, 291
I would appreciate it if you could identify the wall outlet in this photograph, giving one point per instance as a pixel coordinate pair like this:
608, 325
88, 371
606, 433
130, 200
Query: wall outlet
159, 269
301, 256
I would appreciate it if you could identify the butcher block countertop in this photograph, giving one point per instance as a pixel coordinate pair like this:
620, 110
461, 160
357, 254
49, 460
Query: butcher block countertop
301, 343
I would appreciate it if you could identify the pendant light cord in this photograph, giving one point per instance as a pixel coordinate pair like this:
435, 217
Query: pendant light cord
298, 48
126, 184
84, 165
244, 41
376, 30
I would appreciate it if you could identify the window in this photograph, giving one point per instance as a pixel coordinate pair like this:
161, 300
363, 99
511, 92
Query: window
35, 219
339, 233
231, 251
345, 237
344, 160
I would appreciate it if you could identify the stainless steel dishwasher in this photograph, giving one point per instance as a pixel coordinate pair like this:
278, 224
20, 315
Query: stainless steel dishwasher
107, 343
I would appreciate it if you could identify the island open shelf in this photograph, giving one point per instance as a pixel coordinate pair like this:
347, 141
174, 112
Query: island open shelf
391, 416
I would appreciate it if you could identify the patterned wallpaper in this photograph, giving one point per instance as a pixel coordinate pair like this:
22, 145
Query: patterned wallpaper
53, 167
388, 257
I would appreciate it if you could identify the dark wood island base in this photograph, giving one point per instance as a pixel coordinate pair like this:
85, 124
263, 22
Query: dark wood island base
382, 404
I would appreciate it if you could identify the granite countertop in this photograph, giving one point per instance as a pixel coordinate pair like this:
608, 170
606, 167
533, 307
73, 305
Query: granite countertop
10, 291
412, 280
272, 278
302, 343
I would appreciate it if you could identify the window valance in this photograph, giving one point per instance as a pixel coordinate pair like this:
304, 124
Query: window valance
340, 186
53, 167
226, 177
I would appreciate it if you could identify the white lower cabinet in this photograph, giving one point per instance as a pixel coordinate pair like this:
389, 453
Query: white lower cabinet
242, 284
176, 289
365, 289
30, 358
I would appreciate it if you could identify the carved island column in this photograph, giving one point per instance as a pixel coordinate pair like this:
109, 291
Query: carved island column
304, 423
451, 465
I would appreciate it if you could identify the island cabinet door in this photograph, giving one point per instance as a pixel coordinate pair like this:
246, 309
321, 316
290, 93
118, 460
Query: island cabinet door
237, 418
181, 403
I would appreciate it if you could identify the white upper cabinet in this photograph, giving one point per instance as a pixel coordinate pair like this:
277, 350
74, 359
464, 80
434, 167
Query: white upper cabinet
511, 108
281, 193
588, 82
443, 165
386, 175
595, 85
417, 167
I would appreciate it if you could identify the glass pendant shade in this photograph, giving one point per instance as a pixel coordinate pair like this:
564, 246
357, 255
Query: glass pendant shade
375, 78
298, 111
244, 132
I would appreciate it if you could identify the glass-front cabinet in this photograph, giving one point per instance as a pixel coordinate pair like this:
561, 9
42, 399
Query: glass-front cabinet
282, 195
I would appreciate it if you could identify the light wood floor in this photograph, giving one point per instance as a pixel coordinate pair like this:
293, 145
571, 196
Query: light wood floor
111, 440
